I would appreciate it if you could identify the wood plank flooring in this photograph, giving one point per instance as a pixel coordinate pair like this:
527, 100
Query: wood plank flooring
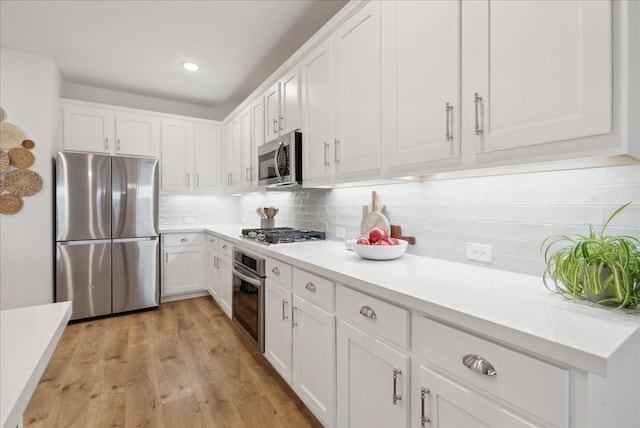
184, 365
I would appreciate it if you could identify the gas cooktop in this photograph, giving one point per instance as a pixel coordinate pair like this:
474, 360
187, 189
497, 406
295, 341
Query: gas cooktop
281, 235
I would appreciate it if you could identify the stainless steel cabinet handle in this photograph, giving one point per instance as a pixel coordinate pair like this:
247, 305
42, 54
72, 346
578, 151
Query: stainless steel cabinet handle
293, 322
184, 239
280, 123
284, 303
326, 149
449, 133
396, 397
311, 287
336, 145
188, 180
166, 257
367, 311
275, 123
478, 364
118, 144
477, 100
424, 419
224, 247
275, 270
106, 143
197, 180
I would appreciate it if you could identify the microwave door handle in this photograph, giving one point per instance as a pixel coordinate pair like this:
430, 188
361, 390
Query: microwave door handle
275, 161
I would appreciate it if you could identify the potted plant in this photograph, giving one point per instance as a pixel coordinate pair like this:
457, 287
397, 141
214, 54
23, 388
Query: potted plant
597, 267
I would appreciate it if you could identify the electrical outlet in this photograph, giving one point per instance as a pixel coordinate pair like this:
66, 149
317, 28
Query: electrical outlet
340, 232
480, 252
188, 220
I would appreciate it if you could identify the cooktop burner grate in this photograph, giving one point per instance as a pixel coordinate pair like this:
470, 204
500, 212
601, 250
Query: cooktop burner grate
280, 235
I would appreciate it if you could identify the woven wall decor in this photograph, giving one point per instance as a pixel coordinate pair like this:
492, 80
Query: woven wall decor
16, 180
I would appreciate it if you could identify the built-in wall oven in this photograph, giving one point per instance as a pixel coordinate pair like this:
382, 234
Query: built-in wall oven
248, 294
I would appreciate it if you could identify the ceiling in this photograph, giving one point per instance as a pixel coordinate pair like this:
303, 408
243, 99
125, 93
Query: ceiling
138, 47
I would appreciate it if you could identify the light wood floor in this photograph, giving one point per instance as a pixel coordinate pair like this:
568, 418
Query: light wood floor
184, 365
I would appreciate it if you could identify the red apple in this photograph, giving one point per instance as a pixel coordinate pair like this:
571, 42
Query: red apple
393, 241
363, 241
378, 234
382, 242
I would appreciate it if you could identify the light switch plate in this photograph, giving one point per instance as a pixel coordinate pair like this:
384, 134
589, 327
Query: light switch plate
188, 220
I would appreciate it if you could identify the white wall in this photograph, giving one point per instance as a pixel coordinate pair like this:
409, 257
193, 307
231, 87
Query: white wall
29, 91
513, 213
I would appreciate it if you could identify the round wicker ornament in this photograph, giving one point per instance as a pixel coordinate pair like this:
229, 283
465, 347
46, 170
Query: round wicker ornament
28, 144
21, 158
10, 135
10, 204
23, 182
4, 161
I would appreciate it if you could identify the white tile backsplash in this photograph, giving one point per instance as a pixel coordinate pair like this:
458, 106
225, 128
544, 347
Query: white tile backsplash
513, 213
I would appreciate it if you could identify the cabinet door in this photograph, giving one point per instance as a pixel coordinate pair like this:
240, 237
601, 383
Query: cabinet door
182, 270
208, 140
87, 129
277, 329
542, 70
314, 358
290, 101
357, 102
257, 125
177, 155
272, 112
317, 107
233, 158
426, 90
211, 266
137, 135
226, 284
449, 404
247, 150
366, 368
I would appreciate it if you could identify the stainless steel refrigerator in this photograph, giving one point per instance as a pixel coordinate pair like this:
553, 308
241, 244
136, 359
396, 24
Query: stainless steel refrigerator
106, 233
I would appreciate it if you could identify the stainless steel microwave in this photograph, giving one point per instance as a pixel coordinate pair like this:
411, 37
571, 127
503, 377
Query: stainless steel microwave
280, 162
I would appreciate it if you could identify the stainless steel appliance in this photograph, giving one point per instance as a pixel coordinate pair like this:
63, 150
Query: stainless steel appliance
280, 162
281, 235
106, 233
248, 294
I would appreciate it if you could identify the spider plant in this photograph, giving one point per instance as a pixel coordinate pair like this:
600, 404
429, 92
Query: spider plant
597, 267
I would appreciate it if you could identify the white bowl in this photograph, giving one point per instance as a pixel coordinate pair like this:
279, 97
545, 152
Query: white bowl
381, 252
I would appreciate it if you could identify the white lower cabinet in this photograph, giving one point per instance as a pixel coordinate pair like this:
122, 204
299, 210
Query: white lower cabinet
182, 264
211, 268
300, 336
373, 374
224, 280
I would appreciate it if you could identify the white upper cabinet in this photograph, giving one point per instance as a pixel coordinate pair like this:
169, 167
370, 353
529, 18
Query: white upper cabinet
536, 73
190, 156
423, 64
317, 107
232, 155
357, 97
248, 151
95, 129
282, 105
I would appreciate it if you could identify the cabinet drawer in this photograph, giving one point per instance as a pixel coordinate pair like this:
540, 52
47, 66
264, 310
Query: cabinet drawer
388, 321
313, 288
278, 272
211, 241
225, 248
181, 239
534, 386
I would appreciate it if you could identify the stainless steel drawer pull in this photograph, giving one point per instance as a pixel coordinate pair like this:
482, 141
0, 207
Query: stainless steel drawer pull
197, 180
275, 124
396, 397
224, 247
326, 149
275, 270
477, 100
293, 322
336, 146
449, 134
478, 364
188, 180
184, 240
424, 419
118, 144
166, 257
106, 143
368, 312
311, 287
284, 303
280, 123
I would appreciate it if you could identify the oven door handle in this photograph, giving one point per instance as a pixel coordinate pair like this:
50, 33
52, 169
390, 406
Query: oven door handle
256, 282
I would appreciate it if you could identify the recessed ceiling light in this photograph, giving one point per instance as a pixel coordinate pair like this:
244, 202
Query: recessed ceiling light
190, 66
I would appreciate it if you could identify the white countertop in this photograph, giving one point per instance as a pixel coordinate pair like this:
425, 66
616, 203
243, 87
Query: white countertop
28, 337
509, 307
